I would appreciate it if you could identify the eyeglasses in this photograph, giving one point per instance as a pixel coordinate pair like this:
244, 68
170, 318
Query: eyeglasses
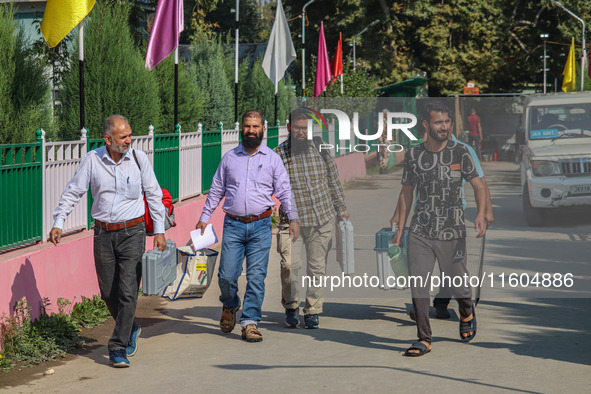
299, 129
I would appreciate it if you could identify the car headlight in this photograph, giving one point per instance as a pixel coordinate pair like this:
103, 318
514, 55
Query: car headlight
545, 168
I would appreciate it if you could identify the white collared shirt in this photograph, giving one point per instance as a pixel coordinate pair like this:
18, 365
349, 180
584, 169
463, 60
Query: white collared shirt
117, 189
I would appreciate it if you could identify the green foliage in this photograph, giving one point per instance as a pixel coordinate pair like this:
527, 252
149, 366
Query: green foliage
223, 20
90, 312
191, 100
24, 89
58, 326
209, 60
116, 81
256, 92
50, 336
22, 342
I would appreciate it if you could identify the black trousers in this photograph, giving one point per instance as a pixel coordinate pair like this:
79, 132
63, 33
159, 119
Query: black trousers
118, 263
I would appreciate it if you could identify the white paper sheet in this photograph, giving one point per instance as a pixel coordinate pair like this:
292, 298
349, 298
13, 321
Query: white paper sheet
203, 241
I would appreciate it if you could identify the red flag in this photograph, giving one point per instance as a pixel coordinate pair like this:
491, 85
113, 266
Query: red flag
336, 65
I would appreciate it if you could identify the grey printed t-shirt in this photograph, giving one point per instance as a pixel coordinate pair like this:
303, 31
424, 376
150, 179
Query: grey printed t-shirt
438, 212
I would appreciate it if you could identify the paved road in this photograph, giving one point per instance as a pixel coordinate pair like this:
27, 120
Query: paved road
524, 344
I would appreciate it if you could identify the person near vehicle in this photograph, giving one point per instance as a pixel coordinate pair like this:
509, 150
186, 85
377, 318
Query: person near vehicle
318, 196
247, 177
475, 134
437, 230
443, 297
118, 186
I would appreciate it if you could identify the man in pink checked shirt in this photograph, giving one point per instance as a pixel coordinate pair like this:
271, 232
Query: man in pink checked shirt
247, 177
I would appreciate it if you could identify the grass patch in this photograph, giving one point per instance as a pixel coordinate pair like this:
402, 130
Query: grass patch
49, 337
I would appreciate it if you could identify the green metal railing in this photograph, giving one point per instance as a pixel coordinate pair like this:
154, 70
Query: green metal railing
211, 156
166, 162
21, 191
272, 137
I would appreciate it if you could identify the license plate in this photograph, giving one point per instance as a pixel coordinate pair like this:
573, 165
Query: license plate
580, 189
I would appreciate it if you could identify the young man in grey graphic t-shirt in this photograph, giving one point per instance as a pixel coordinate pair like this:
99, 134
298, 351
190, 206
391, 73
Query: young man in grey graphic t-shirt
437, 229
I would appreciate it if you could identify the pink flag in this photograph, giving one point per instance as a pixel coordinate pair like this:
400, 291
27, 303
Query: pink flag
322, 65
168, 24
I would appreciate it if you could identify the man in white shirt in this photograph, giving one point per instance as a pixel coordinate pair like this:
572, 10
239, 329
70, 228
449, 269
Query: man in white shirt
118, 184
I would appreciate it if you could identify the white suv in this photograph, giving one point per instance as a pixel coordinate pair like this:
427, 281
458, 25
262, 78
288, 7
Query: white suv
556, 153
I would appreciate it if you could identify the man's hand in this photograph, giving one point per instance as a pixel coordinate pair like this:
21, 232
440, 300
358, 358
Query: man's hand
294, 231
489, 217
55, 235
159, 242
201, 226
480, 226
344, 216
397, 239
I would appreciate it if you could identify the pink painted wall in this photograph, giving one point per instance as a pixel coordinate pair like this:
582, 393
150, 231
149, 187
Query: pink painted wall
350, 166
67, 270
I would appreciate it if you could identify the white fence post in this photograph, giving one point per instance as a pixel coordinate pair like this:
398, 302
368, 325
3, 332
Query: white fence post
44, 211
180, 167
265, 133
151, 145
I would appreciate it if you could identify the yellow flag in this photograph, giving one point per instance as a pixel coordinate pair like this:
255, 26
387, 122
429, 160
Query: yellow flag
568, 82
61, 16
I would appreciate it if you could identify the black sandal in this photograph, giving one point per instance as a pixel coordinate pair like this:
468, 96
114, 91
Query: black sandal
420, 346
228, 319
466, 327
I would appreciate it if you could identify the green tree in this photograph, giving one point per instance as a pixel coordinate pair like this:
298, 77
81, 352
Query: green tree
224, 21
258, 93
116, 81
24, 89
191, 100
209, 59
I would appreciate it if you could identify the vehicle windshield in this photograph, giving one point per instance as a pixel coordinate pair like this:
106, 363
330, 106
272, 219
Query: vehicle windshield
560, 121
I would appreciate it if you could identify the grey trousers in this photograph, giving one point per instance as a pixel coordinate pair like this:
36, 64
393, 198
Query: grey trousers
118, 263
451, 256
318, 241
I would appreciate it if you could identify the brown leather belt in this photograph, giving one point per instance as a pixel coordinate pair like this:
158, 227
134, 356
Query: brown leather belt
119, 226
252, 218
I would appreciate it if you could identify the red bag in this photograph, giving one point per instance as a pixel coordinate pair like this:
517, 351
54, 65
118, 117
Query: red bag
168, 218
166, 201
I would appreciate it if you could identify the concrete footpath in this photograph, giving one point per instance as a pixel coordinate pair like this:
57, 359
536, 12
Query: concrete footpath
523, 344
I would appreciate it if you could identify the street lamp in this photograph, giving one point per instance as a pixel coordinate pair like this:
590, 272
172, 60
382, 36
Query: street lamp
360, 33
558, 4
303, 16
544, 37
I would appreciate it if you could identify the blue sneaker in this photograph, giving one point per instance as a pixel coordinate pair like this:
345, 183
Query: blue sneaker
311, 321
118, 359
292, 318
132, 345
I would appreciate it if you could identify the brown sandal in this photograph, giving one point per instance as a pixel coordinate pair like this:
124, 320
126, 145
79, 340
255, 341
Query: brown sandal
250, 333
228, 320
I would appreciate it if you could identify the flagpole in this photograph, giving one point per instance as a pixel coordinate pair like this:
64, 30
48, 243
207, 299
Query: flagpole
557, 3
176, 87
81, 71
236, 64
276, 95
342, 84
304, 47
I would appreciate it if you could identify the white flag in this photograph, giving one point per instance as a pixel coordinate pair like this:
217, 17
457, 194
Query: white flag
280, 51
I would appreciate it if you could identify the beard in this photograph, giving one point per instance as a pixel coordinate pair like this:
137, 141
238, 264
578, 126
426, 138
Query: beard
119, 148
299, 146
436, 137
252, 141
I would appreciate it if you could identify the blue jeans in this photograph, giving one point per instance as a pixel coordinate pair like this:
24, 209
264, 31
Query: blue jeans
253, 241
